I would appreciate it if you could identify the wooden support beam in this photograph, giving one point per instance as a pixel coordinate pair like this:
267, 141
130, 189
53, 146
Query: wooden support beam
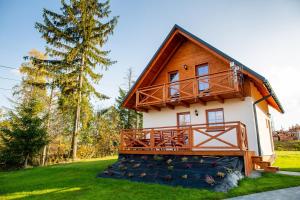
201, 101
155, 108
185, 104
242, 98
172, 107
218, 98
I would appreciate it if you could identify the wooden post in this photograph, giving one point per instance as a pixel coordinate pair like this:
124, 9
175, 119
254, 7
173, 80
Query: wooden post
190, 139
122, 140
194, 88
164, 93
245, 137
152, 139
137, 98
238, 131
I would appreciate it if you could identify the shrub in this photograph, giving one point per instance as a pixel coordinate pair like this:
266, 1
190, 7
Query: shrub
291, 145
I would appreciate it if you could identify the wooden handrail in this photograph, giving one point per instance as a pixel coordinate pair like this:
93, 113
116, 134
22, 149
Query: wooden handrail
188, 88
185, 137
186, 126
207, 75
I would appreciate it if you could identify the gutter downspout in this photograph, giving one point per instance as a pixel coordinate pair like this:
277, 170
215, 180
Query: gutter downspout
256, 123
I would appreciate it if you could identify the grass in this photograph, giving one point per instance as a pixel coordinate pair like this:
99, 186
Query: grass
78, 181
288, 160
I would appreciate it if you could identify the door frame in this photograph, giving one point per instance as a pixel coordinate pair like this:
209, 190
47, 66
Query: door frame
196, 74
180, 113
169, 82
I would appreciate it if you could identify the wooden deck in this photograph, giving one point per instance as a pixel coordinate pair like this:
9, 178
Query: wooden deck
229, 137
217, 86
184, 140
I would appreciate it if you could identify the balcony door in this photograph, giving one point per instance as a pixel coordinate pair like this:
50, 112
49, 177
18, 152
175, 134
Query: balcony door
183, 119
174, 84
203, 79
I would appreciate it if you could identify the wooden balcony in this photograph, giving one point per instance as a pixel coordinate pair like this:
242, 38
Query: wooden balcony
228, 138
217, 86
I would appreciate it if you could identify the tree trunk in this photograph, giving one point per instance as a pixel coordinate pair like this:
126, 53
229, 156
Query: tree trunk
45, 154
26, 161
77, 116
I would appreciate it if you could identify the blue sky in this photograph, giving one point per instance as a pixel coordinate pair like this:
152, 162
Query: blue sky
264, 35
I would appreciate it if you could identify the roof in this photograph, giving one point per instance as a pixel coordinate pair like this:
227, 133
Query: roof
217, 51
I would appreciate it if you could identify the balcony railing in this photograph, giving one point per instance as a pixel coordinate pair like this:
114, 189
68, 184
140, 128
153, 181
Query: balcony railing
220, 83
198, 137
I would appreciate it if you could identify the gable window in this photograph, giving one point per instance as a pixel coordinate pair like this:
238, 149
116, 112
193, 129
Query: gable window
174, 85
215, 118
203, 79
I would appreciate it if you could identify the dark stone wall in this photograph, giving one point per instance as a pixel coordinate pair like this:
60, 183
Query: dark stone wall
188, 171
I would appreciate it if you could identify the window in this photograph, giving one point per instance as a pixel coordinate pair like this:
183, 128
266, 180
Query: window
215, 118
183, 119
174, 86
203, 81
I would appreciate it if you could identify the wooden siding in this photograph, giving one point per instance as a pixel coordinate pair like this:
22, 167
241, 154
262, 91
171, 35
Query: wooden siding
182, 48
191, 55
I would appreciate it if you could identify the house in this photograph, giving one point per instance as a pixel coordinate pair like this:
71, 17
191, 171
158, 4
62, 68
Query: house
198, 101
286, 135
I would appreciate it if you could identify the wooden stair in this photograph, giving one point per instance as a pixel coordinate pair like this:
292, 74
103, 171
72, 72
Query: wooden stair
258, 163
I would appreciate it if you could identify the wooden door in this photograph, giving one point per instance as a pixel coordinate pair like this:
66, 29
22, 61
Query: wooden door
183, 119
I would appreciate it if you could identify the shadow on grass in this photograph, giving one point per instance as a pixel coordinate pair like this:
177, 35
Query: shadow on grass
78, 181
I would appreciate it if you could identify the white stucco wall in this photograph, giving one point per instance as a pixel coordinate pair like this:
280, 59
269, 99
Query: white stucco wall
264, 132
234, 110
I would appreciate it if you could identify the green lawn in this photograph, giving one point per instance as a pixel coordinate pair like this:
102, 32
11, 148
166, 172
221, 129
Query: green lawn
78, 181
288, 160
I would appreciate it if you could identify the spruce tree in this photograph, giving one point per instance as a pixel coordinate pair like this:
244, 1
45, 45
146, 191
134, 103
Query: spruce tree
25, 135
37, 78
76, 37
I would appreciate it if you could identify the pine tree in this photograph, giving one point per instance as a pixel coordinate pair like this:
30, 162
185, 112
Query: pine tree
76, 37
25, 136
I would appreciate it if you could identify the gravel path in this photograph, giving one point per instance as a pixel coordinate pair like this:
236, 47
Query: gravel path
289, 173
292, 193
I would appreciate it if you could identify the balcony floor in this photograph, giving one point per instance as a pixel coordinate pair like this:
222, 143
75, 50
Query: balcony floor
195, 153
186, 102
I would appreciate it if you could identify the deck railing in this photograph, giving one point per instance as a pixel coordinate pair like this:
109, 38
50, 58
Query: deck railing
214, 136
212, 84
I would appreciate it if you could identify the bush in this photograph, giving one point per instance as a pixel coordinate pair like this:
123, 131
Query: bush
291, 145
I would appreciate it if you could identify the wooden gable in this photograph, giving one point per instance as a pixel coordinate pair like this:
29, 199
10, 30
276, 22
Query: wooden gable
182, 48
191, 55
